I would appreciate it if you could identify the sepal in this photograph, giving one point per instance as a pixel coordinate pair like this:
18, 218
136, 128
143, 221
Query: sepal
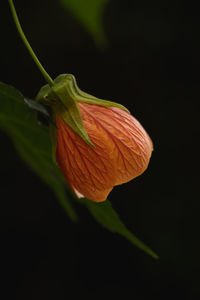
81, 96
63, 97
63, 104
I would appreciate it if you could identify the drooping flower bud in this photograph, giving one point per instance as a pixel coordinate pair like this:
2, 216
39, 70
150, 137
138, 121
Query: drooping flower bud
109, 148
121, 152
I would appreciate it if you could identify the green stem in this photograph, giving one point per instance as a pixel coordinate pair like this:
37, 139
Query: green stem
21, 33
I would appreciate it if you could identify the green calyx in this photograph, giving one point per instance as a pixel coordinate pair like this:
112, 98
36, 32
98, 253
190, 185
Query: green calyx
66, 84
81, 96
63, 103
63, 96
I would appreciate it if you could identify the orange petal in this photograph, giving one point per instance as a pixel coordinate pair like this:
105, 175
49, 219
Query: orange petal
132, 147
122, 151
86, 169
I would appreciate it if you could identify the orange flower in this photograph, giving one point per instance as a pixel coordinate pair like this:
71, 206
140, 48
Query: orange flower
122, 151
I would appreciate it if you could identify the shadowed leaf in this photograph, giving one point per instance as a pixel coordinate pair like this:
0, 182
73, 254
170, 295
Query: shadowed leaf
31, 141
106, 216
89, 13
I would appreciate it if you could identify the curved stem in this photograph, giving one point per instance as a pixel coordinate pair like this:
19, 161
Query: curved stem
28, 46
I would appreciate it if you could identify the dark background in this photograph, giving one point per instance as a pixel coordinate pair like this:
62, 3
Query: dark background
152, 67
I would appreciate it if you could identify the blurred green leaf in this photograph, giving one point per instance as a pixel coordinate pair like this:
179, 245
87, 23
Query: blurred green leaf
32, 141
106, 216
90, 14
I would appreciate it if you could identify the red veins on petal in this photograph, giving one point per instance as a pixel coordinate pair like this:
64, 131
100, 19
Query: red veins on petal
122, 151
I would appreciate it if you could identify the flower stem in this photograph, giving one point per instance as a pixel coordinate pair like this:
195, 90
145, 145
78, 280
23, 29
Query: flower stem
28, 46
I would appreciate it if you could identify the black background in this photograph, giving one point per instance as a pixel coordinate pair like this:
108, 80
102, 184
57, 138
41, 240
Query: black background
152, 67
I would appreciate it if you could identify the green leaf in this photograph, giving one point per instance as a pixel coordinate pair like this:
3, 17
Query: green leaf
106, 216
36, 106
32, 141
89, 13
